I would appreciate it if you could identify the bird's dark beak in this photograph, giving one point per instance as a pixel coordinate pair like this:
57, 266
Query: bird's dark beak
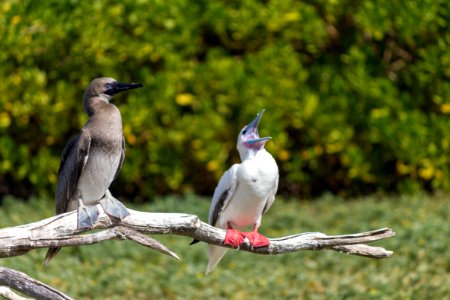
252, 131
118, 87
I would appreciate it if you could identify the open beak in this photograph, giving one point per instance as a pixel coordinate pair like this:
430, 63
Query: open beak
118, 87
252, 134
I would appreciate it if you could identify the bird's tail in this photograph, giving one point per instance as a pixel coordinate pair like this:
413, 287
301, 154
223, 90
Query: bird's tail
215, 254
50, 254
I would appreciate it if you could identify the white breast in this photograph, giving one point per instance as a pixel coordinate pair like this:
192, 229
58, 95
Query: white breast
257, 181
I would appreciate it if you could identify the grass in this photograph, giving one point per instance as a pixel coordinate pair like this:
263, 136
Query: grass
419, 269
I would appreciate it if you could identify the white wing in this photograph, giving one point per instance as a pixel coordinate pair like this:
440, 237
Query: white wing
271, 197
223, 193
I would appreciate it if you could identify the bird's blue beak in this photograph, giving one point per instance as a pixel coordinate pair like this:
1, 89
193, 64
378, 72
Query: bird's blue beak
251, 132
114, 88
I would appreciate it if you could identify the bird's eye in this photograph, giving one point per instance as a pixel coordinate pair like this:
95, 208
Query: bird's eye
108, 85
244, 131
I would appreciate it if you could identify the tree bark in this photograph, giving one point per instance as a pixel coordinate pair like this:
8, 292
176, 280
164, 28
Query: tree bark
22, 282
62, 231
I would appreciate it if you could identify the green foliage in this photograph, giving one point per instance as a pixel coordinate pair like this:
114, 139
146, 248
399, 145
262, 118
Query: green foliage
357, 94
419, 268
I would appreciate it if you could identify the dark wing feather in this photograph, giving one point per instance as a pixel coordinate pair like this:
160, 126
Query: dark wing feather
122, 157
222, 195
218, 207
73, 160
66, 151
216, 210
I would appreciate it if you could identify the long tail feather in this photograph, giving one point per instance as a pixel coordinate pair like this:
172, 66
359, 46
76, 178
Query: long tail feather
215, 254
50, 254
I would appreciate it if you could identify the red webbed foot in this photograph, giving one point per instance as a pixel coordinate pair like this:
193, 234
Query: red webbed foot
256, 239
233, 237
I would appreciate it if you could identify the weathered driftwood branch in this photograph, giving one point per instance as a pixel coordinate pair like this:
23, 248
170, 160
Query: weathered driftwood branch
9, 294
62, 231
22, 282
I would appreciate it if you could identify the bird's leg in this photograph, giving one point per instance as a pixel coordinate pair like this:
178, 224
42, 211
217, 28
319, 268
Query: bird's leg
233, 237
113, 207
256, 239
87, 215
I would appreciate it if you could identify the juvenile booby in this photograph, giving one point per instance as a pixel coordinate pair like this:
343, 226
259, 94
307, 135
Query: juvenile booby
92, 160
244, 193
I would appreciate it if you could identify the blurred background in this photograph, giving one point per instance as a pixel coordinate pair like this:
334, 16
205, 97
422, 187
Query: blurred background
356, 96
357, 99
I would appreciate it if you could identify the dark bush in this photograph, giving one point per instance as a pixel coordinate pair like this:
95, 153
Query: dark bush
356, 93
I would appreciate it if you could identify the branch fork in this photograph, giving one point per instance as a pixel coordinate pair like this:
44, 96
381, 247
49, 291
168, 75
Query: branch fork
62, 231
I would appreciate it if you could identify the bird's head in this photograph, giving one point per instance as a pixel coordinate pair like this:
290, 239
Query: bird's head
109, 87
249, 140
103, 89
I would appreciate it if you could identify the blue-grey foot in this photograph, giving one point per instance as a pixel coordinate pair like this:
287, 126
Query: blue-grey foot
87, 216
114, 207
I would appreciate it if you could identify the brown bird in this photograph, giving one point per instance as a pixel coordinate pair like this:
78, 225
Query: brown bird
92, 160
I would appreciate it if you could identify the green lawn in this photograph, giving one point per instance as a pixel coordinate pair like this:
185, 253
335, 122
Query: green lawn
419, 269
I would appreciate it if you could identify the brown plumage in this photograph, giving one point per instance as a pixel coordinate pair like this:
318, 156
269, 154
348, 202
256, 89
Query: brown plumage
92, 160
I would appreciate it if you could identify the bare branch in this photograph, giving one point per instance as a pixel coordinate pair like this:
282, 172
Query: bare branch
61, 231
22, 282
9, 294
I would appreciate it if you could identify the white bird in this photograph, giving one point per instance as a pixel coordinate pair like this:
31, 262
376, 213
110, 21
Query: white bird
244, 193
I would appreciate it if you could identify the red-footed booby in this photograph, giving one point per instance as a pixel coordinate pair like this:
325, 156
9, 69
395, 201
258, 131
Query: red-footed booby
92, 160
244, 193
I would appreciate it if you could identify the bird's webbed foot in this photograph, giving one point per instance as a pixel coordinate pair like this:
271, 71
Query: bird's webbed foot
256, 239
87, 215
114, 207
233, 237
